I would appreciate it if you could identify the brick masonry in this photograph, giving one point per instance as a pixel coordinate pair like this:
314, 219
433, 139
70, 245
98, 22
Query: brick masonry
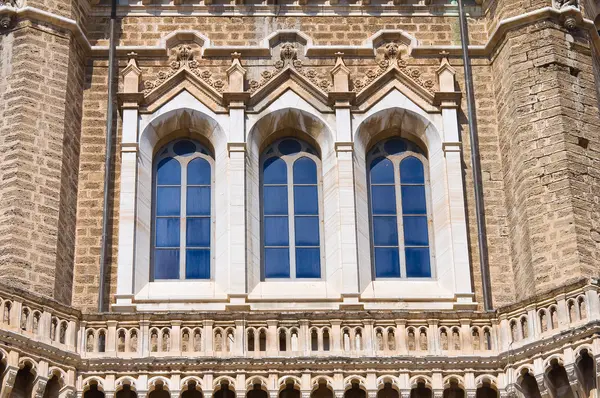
537, 115
40, 123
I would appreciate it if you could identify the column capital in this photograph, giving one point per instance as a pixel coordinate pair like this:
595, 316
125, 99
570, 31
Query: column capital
342, 146
236, 147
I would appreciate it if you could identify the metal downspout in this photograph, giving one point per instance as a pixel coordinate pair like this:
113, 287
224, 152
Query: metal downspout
108, 157
475, 162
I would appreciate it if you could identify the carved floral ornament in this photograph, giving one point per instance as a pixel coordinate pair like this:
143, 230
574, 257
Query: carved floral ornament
289, 56
184, 60
288, 59
392, 56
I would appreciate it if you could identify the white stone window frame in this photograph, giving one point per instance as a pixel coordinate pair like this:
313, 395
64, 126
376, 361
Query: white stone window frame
396, 160
289, 161
401, 114
183, 160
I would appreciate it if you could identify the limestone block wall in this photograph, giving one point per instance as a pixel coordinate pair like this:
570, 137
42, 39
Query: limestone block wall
548, 126
40, 114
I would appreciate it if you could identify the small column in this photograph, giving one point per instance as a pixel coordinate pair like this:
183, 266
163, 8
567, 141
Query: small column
144, 338
207, 334
71, 335
304, 340
272, 348
236, 99
340, 98
532, 323
449, 101
504, 329
336, 335
40, 381
111, 337
239, 337
466, 345
432, 337
175, 336
15, 315
593, 302
369, 337
401, 337
562, 310
130, 98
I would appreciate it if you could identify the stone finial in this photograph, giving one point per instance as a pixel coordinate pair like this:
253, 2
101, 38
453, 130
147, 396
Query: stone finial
236, 74
131, 75
340, 74
445, 74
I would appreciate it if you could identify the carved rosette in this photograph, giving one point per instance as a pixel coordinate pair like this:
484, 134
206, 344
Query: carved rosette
289, 56
392, 57
185, 60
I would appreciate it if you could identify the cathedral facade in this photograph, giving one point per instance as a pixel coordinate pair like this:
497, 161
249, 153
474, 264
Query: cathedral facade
298, 199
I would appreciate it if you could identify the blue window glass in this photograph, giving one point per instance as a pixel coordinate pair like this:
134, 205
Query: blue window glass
306, 222
198, 201
168, 201
383, 199
168, 172
184, 148
197, 263
387, 262
276, 231
415, 231
385, 231
289, 147
414, 211
306, 200
275, 200
382, 171
305, 171
395, 146
198, 172
307, 231
308, 262
411, 171
417, 262
277, 262
198, 232
275, 171
290, 219
413, 199
385, 221
166, 263
172, 215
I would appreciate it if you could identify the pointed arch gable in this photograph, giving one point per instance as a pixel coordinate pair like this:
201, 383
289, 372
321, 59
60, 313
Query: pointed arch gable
289, 79
184, 80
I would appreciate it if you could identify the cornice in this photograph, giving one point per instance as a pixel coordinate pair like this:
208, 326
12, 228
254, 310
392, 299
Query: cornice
416, 50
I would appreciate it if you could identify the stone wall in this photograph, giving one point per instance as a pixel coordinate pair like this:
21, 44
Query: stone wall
548, 128
40, 113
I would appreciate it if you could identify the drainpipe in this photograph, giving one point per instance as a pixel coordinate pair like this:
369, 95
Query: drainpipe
108, 157
475, 162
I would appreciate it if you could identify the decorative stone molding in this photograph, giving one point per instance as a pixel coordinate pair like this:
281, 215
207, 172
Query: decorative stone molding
392, 60
289, 60
184, 61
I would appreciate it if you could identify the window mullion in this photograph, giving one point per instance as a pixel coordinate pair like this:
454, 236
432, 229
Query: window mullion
291, 219
183, 222
399, 218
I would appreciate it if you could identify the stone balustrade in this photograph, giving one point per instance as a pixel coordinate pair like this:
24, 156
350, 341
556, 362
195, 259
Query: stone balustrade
246, 334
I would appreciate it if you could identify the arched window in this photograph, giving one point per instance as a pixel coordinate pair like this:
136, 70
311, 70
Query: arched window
291, 227
182, 211
399, 211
